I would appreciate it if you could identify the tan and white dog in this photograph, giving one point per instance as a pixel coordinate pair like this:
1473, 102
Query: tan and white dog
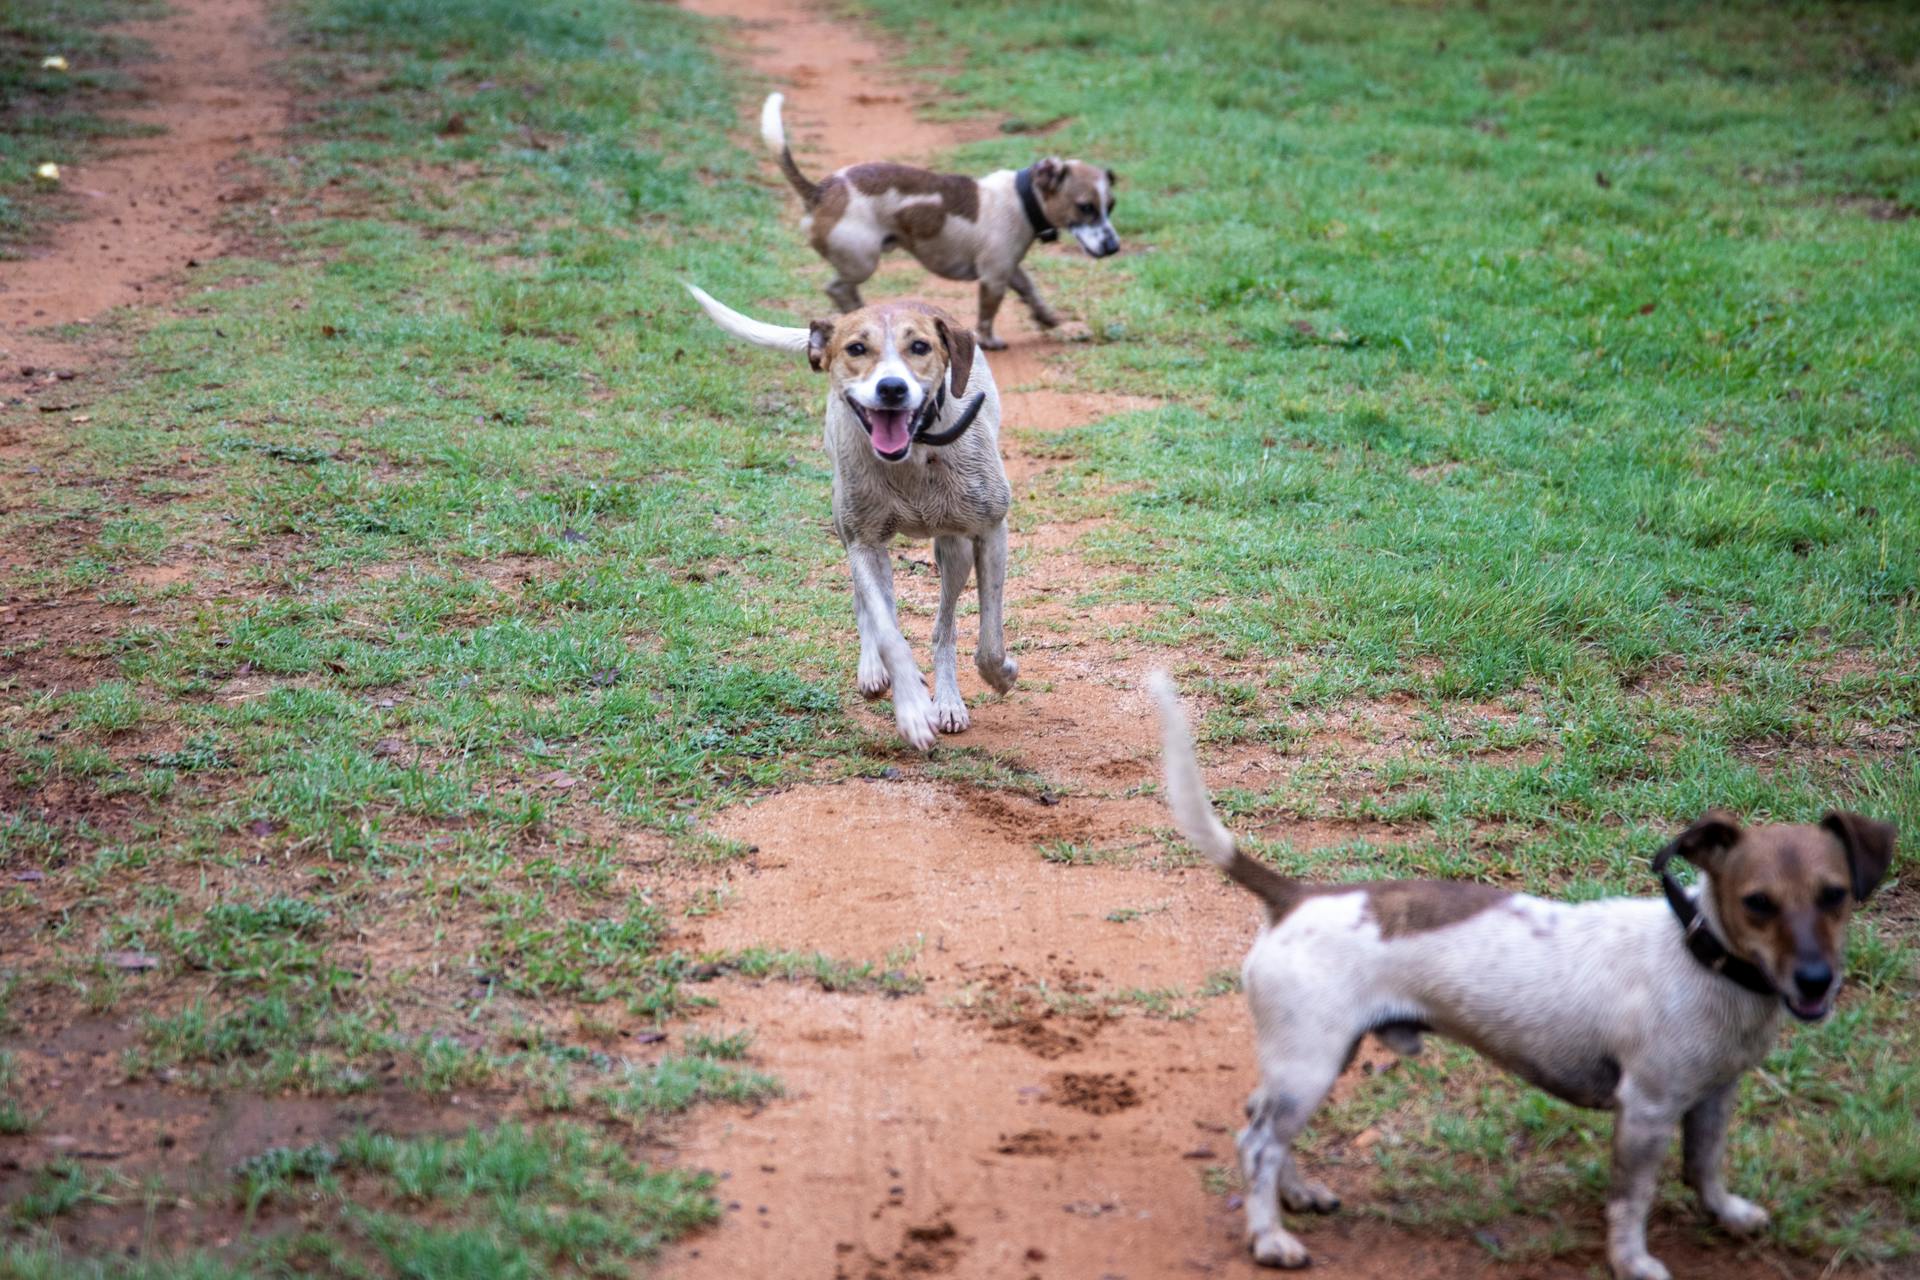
958, 227
1650, 1008
913, 432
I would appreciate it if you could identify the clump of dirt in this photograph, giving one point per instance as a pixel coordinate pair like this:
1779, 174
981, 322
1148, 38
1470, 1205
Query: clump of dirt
1096, 1093
930, 1249
1043, 1143
1018, 1011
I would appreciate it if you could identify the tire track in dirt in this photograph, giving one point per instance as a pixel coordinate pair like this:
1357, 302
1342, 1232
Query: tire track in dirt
150, 206
1000, 1124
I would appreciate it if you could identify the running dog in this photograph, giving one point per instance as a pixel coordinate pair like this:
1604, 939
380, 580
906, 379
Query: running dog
913, 432
958, 227
1650, 1008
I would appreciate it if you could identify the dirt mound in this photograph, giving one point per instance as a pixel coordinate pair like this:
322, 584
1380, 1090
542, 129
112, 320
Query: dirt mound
931, 1249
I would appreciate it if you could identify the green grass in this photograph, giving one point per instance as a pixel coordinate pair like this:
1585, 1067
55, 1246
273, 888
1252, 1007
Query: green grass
1540, 467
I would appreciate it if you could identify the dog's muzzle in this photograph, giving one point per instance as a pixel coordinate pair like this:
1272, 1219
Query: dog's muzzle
1098, 239
894, 432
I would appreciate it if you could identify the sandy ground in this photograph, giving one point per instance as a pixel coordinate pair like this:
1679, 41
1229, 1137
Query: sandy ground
982, 1128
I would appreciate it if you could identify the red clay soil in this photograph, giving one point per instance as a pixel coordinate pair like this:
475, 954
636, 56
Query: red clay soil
981, 1129
148, 208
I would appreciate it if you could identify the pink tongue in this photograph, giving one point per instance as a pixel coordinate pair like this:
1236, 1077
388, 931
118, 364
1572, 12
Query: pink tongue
889, 429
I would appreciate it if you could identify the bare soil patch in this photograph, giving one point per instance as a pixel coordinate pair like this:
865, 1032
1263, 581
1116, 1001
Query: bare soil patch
148, 212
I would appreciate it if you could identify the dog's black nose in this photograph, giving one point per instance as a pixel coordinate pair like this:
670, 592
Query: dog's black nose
1813, 980
892, 391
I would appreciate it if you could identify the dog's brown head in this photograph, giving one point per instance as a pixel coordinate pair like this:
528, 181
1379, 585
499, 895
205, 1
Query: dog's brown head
888, 361
1079, 196
1783, 895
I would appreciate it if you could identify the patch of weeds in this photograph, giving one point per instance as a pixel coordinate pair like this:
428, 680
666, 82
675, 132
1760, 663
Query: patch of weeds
59, 1188
729, 1046
676, 1083
824, 971
542, 952
1071, 853
274, 1171
201, 754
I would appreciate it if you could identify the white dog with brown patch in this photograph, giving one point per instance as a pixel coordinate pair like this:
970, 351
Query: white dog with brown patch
913, 432
1653, 1009
958, 227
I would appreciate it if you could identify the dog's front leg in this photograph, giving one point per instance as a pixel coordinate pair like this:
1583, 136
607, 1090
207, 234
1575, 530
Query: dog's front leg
1029, 292
1704, 1138
1642, 1130
873, 611
954, 554
990, 655
992, 290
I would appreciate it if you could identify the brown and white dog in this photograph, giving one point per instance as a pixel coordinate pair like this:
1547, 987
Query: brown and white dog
1650, 1008
913, 432
958, 227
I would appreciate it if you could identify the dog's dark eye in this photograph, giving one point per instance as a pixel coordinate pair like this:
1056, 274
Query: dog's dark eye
856, 348
1089, 208
920, 346
1760, 906
1831, 898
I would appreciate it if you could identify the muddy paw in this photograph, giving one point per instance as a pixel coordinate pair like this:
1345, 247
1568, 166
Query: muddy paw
1641, 1267
1310, 1197
915, 721
1000, 672
950, 717
1741, 1217
988, 342
1277, 1248
1072, 331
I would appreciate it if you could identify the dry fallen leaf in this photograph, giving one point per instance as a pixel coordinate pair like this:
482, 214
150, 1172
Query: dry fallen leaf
131, 960
54, 63
48, 172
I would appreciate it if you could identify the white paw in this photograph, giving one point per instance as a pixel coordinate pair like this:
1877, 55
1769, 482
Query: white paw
1000, 674
1643, 1266
1277, 1248
1309, 1196
916, 723
874, 679
950, 715
1741, 1217
990, 343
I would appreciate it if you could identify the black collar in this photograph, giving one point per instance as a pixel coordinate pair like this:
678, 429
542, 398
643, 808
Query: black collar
1704, 947
922, 431
1023, 183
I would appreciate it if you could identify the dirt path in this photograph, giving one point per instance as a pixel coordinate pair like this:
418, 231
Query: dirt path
991, 1126
149, 208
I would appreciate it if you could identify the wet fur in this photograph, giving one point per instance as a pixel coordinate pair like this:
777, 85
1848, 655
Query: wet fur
955, 494
1598, 1003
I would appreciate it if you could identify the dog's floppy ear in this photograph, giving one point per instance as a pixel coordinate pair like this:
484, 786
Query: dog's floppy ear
1869, 846
959, 345
1711, 835
819, 333
1113, 179
1049, 173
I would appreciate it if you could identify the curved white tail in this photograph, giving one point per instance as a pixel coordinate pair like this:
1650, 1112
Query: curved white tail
778, 336
771, 129
1186, 790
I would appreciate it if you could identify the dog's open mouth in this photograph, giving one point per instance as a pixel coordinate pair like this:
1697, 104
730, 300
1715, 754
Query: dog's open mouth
890, 430
1807, 1010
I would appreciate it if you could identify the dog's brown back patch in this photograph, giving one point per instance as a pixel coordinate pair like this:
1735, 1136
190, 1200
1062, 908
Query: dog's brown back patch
958, 194
1403, 907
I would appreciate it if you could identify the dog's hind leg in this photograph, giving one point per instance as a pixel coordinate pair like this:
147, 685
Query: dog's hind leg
854, 261
1703, 1134
990, 655
1290, 1092
873, 608
954, 554
1043, 315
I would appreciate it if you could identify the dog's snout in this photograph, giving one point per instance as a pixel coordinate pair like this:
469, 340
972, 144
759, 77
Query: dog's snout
891, 390
1813, 980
